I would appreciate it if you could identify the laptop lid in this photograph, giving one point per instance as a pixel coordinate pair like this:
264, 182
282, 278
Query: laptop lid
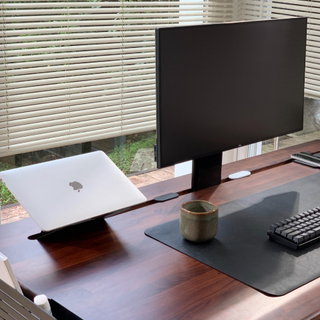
70, 190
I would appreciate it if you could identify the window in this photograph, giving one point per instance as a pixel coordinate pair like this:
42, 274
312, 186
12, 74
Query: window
74, 72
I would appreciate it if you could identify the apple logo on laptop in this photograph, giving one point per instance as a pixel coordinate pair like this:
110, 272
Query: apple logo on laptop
76, 185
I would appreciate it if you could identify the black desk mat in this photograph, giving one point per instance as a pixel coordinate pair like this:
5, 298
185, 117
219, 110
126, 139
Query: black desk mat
242, 248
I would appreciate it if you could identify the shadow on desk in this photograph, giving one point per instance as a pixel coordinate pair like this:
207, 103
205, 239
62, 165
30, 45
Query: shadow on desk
73, 231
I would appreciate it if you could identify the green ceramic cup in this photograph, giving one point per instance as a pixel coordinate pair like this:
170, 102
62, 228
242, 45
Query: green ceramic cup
198, 220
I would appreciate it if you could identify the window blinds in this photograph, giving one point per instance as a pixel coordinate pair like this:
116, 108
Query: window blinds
252, 9
78, 71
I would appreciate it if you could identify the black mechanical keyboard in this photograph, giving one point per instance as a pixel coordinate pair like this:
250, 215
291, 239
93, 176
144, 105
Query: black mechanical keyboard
307, 158
298, 231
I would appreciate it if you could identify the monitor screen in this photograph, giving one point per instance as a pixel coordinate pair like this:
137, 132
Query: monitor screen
221, 86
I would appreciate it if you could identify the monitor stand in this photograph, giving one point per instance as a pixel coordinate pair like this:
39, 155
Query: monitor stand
206, 172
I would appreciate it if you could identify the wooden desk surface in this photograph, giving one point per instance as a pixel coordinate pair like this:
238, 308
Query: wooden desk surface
111, 270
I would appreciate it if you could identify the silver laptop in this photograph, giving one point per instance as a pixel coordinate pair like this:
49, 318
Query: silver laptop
70, 190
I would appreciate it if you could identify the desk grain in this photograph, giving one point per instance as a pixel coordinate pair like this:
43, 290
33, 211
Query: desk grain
109, 269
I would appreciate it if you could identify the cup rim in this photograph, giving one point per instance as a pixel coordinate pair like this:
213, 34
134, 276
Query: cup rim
199, 213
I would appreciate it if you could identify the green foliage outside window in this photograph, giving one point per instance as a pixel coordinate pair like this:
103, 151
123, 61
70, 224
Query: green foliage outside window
123, 155
5, 196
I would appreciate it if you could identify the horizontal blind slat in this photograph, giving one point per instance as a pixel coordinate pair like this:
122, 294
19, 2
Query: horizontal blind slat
86, 96
75, 92
78, 63
106, 22
89, 74
80, 81
71, 4
75, 69
18, 125
84, 36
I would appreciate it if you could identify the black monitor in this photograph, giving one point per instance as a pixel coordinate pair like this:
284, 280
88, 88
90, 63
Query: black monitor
226, 85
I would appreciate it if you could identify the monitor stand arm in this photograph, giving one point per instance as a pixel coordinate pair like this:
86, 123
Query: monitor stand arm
206, 172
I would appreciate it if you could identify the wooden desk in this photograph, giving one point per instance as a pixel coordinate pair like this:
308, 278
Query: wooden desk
113, 271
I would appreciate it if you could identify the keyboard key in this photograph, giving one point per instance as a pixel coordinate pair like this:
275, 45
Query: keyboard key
298, 239
305, 236
311, 234
279, 230
317, 231
273, 227
291, 235
286, 232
